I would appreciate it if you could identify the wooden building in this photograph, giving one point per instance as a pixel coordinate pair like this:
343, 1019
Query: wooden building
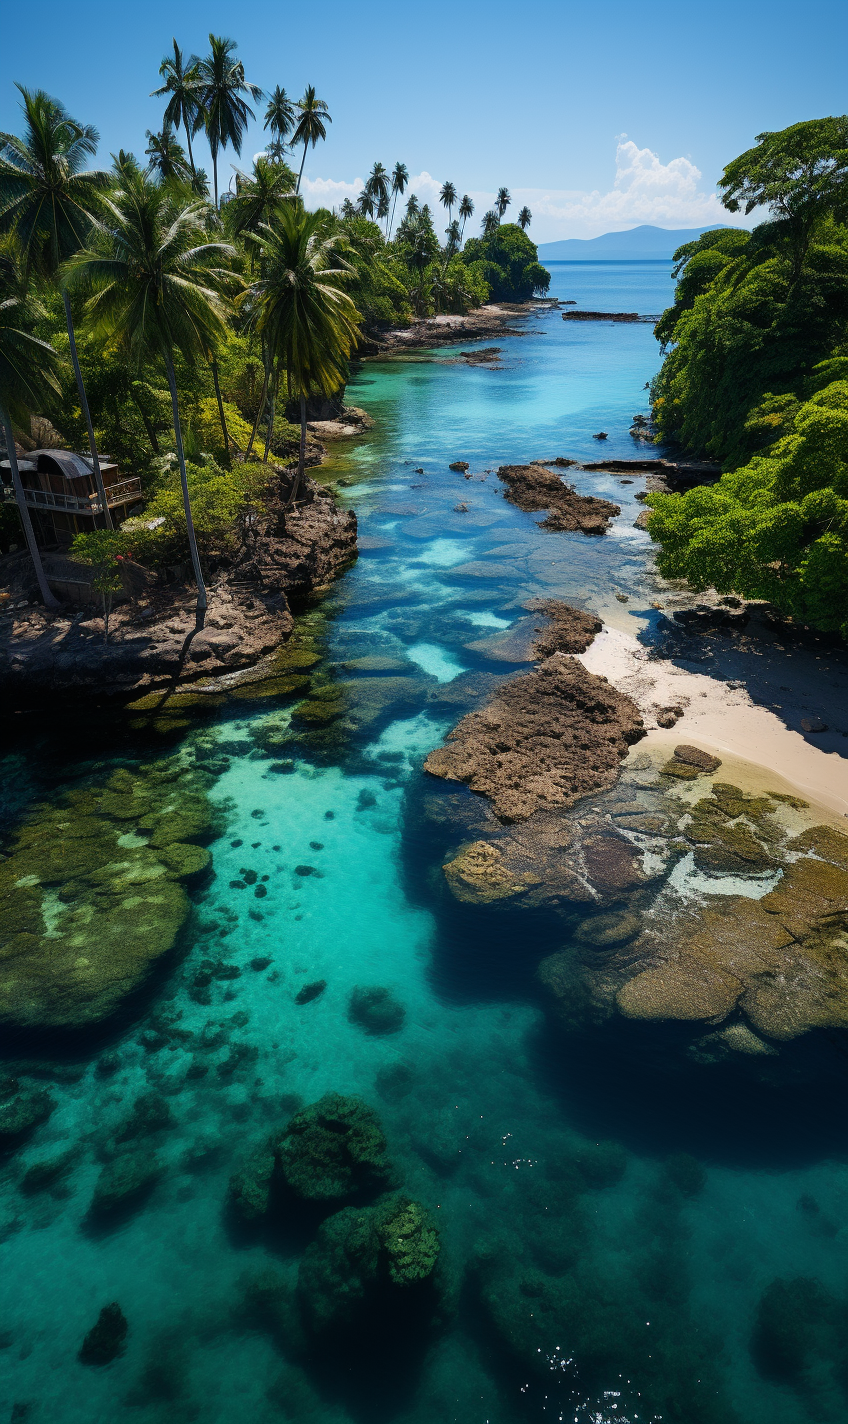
62, 497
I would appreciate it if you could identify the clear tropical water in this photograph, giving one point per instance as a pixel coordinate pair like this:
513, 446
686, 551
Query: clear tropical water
485, 1103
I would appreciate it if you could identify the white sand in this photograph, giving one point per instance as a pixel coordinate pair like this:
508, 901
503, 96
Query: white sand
718, 718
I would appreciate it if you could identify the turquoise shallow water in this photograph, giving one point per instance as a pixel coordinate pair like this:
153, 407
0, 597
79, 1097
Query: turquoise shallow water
493, 1117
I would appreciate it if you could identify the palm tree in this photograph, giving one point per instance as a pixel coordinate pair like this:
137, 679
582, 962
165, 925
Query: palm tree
452, 235
50, 202
280, 119
181, 78
314, 114
167, 157
412, 208
466, 211
377, 186
159, 285
383, 208
525, 217
27, 375
400, 178
365, 204
491, 222
502, 202
256, 199
222, 84
447, 198
307, 320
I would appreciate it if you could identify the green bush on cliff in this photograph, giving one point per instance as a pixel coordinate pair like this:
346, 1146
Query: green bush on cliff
756, 377
508, 261
777, 528
219, 499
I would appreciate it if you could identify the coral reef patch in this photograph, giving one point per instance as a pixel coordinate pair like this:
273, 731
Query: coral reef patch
91, 893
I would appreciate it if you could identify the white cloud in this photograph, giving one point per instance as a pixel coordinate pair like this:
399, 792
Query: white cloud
644, 190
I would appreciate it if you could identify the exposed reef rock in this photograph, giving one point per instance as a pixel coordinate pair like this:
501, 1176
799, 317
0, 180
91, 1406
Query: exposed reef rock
369, 1260
287, 555
90, 893
545, 739
756, 969
334, 1150
533, 487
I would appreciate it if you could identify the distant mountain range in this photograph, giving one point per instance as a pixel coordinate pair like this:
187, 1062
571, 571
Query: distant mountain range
641, 244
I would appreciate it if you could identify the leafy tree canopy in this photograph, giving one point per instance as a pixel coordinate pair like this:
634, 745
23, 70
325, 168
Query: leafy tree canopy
777, 528
511, 265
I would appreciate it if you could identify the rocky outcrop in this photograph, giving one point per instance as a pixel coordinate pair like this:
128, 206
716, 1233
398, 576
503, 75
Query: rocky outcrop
605, 316
745, 970
492, 319
546, 739
151, 642
532, 487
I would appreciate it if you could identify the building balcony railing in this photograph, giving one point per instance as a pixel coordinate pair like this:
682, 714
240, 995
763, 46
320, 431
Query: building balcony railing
120, 493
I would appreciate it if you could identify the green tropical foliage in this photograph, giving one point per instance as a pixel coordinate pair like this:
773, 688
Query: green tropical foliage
304, 315
508, 261
157, 285
314, 116
176, 332
756, 377
27, 374
777, 527
182, 87
222, 87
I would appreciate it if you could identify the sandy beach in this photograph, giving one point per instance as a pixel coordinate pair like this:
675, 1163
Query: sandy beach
725, 714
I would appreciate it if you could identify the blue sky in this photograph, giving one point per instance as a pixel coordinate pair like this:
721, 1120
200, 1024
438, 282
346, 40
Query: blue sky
598, 115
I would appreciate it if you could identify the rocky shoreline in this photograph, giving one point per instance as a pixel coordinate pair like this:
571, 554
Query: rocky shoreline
493, 319
152, 643
684, 898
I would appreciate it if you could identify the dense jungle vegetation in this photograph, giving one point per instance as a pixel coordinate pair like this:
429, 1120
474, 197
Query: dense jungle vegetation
188, 332
756, 377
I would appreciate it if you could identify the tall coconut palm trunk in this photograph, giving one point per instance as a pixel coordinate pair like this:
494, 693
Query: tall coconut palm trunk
301, 453
200, 615
214, 364
262, 400
270, 430
92, 443
29, 533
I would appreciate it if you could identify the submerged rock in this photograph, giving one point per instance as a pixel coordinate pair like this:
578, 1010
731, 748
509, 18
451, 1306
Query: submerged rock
21, 1111
90, 893
334, 1149
378, 1258
250, 1187
105, 1340
376, 1010
124, 1182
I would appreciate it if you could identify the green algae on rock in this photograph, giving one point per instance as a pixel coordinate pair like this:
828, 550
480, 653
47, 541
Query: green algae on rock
379, 1257
334, 1149
90, 893
766, 967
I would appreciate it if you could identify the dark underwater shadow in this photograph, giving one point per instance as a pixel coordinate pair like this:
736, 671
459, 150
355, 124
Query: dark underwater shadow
634, 1083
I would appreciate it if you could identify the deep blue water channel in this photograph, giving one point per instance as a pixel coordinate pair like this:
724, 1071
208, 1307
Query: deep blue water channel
483, 1100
